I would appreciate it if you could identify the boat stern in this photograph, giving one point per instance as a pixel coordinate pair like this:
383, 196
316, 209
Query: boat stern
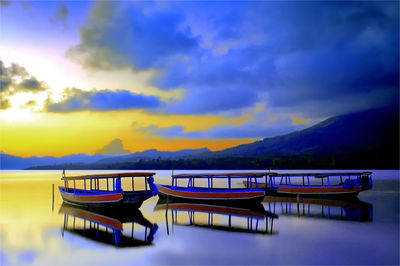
366, 182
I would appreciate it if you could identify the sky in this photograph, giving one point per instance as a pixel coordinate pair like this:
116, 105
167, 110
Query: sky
113, 77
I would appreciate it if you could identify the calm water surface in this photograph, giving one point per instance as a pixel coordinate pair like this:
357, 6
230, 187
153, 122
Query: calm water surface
310, 232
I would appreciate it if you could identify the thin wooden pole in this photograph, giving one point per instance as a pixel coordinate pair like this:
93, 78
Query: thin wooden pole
107, 184
52, 198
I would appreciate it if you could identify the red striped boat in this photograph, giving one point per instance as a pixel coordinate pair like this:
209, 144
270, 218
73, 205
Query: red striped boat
316, 184
208, 192
105, 190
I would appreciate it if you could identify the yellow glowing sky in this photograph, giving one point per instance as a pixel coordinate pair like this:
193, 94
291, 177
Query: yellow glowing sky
87, 132
27, 128
31, 131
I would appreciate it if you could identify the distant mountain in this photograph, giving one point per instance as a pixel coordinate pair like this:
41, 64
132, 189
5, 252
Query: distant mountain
363, 140
358, 133
153, 154
14, 162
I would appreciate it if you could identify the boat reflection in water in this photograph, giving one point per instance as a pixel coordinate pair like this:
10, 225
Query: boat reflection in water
106, 226
216, 217
350, 210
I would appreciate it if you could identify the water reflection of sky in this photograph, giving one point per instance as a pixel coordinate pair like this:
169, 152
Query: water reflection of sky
30, 233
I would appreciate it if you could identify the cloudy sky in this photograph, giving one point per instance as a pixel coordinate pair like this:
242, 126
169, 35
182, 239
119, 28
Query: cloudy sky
84, 77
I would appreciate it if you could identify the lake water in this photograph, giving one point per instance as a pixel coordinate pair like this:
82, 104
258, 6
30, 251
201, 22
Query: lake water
33, 231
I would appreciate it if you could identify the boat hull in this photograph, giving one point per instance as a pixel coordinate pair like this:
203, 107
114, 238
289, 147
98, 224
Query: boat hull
311, 191
319, 191
225, 196
102, 199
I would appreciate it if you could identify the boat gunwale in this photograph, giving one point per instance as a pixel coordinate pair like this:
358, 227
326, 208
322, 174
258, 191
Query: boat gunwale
87, 192
213, 190
321, 175
222, 175
303, 186
213, 195
82, 192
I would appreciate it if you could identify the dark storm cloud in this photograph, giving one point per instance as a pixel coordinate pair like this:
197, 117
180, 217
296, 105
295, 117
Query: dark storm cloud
15, 79
31, 84
309, 57
206, 100
129, 34
77, 100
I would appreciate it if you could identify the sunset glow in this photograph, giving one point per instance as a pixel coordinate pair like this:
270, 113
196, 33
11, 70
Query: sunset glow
173, 75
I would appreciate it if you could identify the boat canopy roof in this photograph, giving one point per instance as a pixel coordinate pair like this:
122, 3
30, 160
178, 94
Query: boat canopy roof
221, 175
110, 175
322, 175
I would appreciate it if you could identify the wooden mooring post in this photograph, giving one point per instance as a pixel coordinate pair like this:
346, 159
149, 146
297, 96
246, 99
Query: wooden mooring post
52, 198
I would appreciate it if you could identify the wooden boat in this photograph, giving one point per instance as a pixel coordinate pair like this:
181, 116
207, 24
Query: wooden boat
218, 217
322, 208
106, 226
316, 184
105, 190
207, 191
